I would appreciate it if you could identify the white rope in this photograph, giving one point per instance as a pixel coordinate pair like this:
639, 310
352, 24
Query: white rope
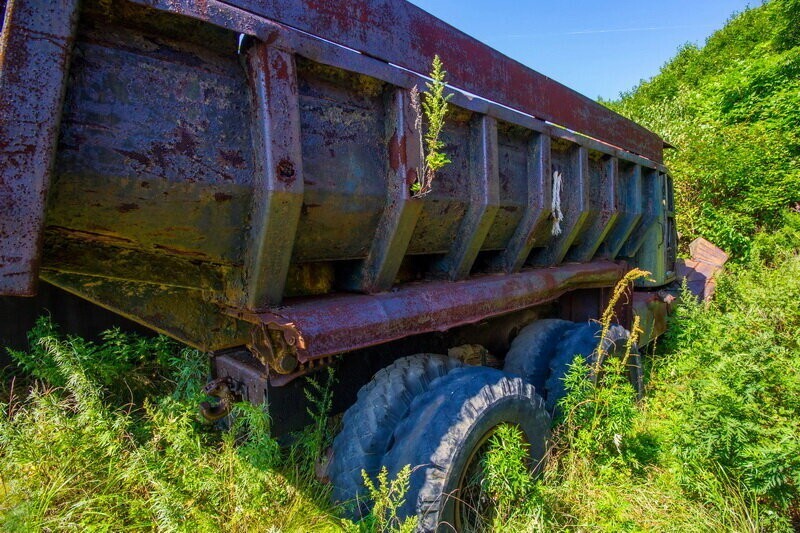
558, 216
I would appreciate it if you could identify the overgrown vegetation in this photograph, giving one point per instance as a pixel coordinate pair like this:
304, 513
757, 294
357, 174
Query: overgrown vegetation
712, 447
732, 110
115, 443
714, 444
387, 497
72, 459
431, 110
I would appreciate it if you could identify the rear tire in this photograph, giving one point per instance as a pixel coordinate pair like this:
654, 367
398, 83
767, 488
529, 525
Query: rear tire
445, 429
368, 424
583, 340
534, 347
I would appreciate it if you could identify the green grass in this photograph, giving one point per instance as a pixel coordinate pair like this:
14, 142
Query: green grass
714, 444
712, 447
74, 457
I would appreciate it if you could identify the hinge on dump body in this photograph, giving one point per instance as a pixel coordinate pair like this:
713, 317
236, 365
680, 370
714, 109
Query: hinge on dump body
275, 347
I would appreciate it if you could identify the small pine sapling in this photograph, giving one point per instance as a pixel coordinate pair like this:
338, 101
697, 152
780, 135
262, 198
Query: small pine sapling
433, 107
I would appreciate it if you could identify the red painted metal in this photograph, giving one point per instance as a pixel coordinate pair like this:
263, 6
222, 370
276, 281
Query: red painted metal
35, 46
699, 272
340, 323
400, 33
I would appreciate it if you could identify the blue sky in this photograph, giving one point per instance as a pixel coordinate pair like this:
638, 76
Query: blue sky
598, 48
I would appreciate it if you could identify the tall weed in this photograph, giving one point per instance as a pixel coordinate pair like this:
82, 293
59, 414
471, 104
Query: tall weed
70, 460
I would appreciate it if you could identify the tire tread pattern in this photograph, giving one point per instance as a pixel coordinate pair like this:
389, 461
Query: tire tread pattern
583, 340
442, 421
367, 426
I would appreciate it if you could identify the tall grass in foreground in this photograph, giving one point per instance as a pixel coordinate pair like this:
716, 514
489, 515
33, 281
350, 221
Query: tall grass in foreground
71, 460
111, 442
715, 445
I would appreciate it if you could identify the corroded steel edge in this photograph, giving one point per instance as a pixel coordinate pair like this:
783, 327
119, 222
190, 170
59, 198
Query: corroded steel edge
403, 34
35, 47
340, 323
278, 190
523, 96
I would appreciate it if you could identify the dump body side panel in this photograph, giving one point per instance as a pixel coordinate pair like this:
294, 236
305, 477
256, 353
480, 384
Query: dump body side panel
402, 34
215, 165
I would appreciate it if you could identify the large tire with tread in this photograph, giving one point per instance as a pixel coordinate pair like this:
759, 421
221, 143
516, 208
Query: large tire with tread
445, 428
583, 340
534, 347
367, 426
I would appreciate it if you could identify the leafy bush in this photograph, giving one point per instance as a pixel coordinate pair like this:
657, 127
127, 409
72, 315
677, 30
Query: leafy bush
388, 497
732, 109
106, 363
737, 406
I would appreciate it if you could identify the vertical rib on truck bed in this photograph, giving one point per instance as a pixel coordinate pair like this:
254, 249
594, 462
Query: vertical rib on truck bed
35, 47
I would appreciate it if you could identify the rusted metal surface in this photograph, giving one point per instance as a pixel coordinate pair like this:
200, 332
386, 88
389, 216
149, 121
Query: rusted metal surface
185, 315
205, 184
572, 162
699, 272
274, 348
278, 187
534, 224
69, 252
655, 238
244, 375
483, 184
219, 388
603, 212
401, 211
345, 150
35, 49
400, 33
149, 156
341, 323
629, 203
652, 309
652, 208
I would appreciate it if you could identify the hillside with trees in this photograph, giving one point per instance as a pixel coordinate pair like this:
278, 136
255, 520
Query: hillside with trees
731, 109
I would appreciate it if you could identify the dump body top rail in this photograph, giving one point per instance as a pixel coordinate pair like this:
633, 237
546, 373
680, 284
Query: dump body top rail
402, 34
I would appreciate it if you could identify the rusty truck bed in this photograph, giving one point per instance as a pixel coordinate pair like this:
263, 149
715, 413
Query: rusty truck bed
224, 170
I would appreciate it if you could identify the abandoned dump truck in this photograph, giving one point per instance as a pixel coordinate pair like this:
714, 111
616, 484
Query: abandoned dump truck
237, 174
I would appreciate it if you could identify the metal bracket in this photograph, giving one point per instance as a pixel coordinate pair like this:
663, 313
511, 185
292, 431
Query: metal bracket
274, 347
221, 388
